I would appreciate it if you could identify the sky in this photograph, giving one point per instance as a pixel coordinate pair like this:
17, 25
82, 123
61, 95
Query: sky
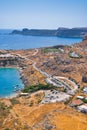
42, 14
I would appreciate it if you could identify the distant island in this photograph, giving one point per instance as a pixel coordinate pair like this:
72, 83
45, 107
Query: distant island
60, 32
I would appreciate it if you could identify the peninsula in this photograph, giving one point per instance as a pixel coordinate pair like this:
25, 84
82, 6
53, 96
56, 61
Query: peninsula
60, 32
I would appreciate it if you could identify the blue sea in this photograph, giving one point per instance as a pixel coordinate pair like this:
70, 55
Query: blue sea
29, 42
9, 81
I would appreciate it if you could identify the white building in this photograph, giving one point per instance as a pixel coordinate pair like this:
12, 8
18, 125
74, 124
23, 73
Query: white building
85, 90
83, 108
80, 97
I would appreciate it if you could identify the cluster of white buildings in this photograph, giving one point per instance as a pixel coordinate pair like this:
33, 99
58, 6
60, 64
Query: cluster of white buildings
80, 104
55, 96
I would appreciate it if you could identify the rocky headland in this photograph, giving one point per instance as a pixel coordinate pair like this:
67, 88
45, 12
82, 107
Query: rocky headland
60, 32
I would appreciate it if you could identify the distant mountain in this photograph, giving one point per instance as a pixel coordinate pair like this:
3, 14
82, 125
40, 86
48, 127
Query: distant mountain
60, 32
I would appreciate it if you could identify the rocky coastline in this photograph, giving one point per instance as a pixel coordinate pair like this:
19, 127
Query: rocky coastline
14, 62
23, 78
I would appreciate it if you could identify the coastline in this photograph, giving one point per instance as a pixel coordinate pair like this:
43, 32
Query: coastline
21, 76
22, 72
24, 67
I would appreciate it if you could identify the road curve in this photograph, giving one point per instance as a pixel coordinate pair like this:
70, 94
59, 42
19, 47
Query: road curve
56, 81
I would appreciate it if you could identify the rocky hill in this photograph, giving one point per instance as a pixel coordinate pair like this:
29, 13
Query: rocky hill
60, 32
35, 32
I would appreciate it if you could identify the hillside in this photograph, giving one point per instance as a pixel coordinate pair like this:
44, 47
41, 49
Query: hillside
33, 112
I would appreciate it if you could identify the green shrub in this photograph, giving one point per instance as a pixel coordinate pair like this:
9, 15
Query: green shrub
6, 129
65, 90
48, 50
85, 100
14, 101
31, 104
39, 101
4, 109
34, 88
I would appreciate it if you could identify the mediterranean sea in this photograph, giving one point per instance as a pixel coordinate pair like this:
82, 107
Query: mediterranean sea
9, 82
17, 42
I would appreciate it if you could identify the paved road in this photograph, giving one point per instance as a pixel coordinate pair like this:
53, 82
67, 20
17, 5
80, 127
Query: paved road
36, 51
56, 81
72, 82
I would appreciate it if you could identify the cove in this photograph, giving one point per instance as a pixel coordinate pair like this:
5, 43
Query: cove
9, 82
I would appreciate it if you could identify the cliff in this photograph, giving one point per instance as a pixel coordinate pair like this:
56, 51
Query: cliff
35, 32
60, 32
74, 32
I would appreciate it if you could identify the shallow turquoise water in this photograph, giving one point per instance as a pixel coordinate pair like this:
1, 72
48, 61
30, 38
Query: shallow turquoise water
9, 81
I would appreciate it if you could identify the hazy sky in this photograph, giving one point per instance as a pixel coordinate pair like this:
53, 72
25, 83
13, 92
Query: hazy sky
43, 13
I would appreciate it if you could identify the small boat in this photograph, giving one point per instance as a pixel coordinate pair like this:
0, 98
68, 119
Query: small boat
16, 86
17, 90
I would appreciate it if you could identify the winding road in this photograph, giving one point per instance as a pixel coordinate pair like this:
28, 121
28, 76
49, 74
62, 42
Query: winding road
56, 81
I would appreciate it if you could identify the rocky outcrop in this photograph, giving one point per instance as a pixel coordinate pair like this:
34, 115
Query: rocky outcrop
67, 70
8, 62
84, 78
61, 61
73, 54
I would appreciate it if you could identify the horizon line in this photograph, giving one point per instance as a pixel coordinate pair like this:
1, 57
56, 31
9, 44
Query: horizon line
41, 28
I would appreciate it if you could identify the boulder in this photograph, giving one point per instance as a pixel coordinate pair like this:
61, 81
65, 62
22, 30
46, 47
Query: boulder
84, 78
67, 70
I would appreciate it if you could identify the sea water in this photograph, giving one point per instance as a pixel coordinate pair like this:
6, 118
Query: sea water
9, 82
29, 42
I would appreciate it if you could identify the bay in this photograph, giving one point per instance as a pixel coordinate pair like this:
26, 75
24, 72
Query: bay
9, 82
